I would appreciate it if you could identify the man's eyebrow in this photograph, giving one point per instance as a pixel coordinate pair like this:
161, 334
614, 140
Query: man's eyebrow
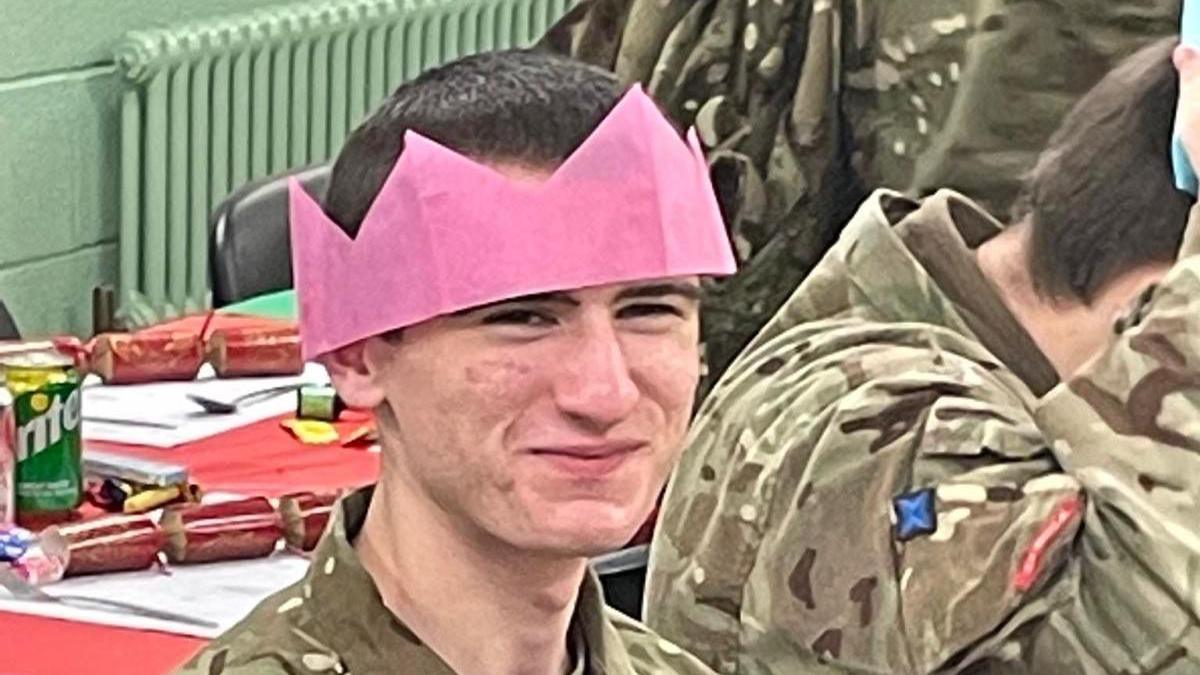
558, 297
687, 291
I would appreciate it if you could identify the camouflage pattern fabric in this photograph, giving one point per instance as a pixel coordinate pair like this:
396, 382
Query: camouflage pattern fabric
867, 489
334, 621
807, 105
1128, 429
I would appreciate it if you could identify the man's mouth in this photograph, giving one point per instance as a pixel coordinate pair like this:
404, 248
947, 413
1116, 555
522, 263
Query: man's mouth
590, 460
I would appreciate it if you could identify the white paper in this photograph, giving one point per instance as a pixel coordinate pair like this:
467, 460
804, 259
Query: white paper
178, 419
223, 593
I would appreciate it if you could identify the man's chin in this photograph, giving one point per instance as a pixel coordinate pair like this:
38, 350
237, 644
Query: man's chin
577, 547
589, 534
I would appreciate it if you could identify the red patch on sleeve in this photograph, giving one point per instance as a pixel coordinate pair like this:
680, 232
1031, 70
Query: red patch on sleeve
1034, 557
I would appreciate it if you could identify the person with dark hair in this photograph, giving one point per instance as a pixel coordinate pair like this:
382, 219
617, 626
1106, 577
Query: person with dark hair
873, 486
1126, 424
506, 270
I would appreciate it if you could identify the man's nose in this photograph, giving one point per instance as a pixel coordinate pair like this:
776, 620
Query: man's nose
595, 385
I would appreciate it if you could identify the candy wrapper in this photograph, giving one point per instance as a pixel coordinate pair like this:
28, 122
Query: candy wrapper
29, 556
365, 435
14, 541
311, 432
118, 496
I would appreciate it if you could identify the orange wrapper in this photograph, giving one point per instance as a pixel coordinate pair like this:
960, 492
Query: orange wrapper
246, 352
125, 358
304, 518
107, 545
249, 528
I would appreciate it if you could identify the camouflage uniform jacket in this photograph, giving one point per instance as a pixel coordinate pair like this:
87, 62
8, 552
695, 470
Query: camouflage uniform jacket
334, 621
866, 490
807, 105
1128, 428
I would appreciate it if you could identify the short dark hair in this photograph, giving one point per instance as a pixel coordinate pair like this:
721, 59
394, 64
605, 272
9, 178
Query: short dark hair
515, 106
1101, 199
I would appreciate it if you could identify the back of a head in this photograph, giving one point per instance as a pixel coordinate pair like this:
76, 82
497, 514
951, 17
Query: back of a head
1101, 200
519, 106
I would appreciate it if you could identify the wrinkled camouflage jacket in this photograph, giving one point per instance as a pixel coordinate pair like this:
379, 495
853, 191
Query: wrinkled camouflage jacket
334, 621
868, 490
807, 105
1128, 428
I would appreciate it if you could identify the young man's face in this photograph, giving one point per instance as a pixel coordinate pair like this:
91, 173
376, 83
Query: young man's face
548, 423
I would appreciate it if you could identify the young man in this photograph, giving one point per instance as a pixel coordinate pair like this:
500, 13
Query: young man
868, 489
1127, 426
517, 304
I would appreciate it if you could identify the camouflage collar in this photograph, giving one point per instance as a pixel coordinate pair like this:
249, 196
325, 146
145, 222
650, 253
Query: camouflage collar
356, 625
933, 245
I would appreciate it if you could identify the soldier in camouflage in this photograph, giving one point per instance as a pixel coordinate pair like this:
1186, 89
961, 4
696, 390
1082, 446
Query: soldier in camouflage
890, 479
1127, 427
334, 620
807, 105
519, 437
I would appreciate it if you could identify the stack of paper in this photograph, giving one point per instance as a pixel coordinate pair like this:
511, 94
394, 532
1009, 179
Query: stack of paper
221, 593
160, 414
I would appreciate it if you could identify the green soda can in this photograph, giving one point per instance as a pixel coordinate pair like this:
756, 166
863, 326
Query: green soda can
46, 420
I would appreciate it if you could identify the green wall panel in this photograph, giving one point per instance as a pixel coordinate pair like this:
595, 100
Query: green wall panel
38, 36
59, 163
60, 148
53, 295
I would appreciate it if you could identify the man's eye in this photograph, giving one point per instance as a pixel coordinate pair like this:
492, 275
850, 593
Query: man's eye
519, 317
647, 309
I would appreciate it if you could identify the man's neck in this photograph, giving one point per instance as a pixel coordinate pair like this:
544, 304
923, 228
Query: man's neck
1067, 332
484, 607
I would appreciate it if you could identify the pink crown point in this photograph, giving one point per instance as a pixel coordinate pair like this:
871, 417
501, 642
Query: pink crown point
447, 233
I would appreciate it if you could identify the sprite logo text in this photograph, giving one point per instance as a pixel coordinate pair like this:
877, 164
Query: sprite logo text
47, 428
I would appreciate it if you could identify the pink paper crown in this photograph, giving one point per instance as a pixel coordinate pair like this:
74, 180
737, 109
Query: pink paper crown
447, 233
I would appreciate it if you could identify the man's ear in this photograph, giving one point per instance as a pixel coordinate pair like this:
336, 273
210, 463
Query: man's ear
357, 384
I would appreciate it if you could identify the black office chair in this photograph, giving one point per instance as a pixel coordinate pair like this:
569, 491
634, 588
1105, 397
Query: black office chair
623, 577
249, 245
623, 590
8, 327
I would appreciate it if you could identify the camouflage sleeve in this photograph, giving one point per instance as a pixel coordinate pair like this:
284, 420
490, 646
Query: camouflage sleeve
1128, 428
264, 648
1191, 236
881, 523
646, 652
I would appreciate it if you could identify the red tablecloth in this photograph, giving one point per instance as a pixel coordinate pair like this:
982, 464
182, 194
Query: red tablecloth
257, 459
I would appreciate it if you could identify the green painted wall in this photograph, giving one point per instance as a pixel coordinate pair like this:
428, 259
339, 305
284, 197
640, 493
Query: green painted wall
60, 148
